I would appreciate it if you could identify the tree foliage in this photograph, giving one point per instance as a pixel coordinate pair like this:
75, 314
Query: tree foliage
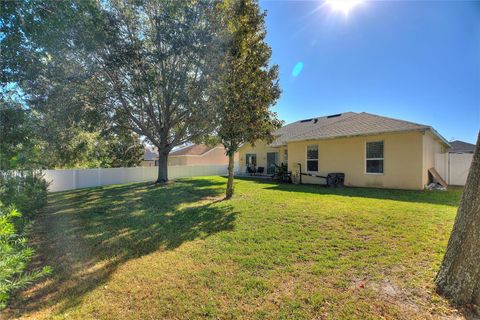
18, 145
40, 45
247, 86
123, 148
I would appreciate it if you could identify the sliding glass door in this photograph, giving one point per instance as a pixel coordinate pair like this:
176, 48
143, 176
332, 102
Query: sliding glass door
272, 160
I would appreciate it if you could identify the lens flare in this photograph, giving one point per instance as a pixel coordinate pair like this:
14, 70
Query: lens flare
297, 69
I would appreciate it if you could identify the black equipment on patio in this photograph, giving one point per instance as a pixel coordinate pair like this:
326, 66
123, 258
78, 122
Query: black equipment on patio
333, 180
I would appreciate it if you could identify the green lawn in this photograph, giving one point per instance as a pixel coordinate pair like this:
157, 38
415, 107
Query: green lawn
142, 251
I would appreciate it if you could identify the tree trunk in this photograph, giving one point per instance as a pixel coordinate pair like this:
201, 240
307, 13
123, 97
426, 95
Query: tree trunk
229, 192
162, 167
459, 275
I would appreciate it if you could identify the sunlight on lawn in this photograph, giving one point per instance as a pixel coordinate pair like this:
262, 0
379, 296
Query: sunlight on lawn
274, 251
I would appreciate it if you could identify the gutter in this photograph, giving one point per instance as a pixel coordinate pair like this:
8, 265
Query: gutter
435, 132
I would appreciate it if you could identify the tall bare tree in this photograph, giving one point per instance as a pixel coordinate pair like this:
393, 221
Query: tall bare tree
459, 275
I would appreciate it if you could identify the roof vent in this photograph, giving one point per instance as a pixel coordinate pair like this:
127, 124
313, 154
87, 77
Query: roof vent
334, 115
306, 120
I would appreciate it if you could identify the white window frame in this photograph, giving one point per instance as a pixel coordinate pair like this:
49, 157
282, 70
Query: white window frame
307, 159
366, 159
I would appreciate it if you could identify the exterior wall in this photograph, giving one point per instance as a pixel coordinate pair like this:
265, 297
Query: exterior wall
215, 156
431, 146
403, 164
260, 149
177, 160
283, 155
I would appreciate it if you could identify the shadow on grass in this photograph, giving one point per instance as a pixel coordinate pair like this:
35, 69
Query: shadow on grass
449, 198
85, 235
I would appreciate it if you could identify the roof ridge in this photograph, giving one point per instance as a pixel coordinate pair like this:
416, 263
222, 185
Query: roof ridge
354, 114
192, 146
209, 148
389, 118
461, 141
182, 148
318, 117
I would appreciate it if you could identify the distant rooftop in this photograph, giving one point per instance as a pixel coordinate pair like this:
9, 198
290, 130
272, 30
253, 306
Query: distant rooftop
192, 150
150, 154
461, 146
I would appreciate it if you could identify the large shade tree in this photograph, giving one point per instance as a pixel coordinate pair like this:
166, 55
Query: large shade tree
154, 60
89, 66
459, 275
248, 86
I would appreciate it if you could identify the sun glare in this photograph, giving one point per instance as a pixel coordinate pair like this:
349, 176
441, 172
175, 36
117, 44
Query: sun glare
343, 6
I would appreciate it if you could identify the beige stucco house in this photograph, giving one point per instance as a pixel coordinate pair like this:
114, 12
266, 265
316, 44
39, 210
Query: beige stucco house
371, 150
198, 154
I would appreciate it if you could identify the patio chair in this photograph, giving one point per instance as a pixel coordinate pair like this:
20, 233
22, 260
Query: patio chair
260, 170
251, 170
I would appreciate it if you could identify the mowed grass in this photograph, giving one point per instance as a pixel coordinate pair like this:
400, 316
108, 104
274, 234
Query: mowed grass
275, 251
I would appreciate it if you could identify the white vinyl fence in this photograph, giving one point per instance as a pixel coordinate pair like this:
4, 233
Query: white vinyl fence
69, 179
453, 167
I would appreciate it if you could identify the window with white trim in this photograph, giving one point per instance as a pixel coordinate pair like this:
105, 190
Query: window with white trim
374, 157
312, 158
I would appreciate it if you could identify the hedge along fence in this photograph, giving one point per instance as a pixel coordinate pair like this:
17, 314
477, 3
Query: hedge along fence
69, 179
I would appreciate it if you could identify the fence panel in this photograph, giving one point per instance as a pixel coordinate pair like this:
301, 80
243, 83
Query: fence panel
441, 165
453, 167
459, 167
87, 178
111, 176
150, 173
61, 180
134, 174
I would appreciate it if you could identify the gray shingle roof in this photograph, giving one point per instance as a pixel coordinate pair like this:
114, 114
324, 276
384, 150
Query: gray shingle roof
194, 149
344, 125
150, 154
290, 131
461, 146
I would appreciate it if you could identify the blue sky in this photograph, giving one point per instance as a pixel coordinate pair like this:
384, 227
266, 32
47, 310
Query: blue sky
412, 60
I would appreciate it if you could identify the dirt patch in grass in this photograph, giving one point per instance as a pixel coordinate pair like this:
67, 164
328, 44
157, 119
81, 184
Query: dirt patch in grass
410, 304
